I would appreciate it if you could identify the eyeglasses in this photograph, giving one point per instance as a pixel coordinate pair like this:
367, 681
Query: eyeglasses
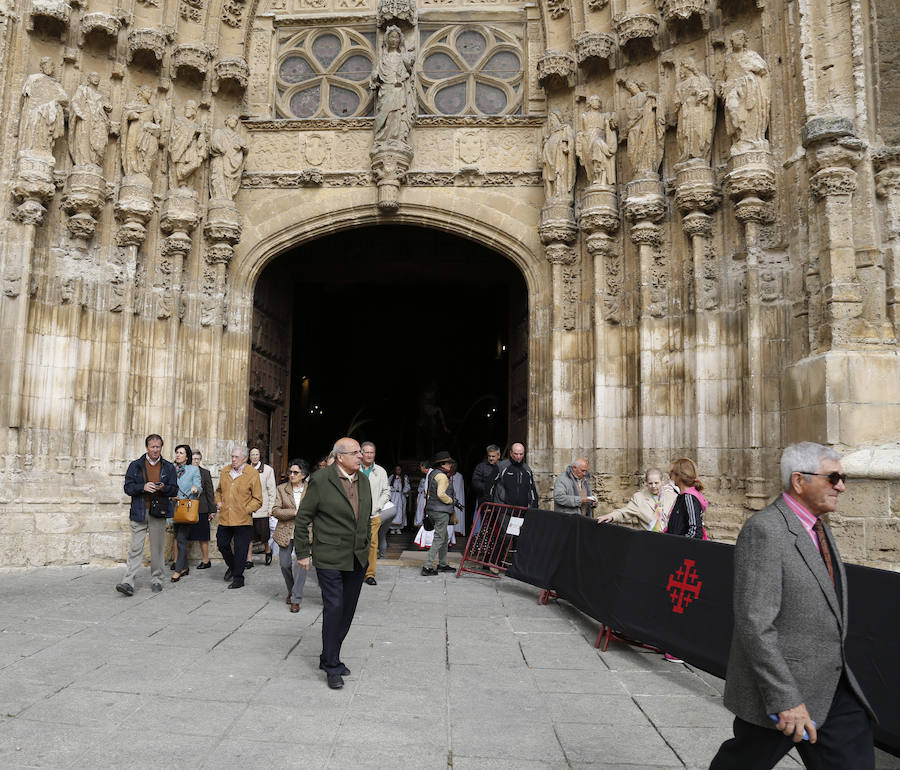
353, 452
294, 473
834, 478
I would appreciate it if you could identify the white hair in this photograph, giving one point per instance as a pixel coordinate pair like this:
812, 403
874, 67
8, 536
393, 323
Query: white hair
805, 457
243, 450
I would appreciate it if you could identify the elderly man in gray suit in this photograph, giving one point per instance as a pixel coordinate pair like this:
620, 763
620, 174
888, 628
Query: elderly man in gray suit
788, 680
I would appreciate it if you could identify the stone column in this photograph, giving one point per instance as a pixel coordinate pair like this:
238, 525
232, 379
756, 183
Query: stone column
887, 187
645, 207
750, 183
833, 150
697, 196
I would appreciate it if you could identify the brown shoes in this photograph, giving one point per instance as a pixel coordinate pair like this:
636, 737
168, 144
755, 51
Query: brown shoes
295, 608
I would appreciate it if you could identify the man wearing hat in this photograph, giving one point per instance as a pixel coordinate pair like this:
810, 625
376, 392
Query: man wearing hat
440, 503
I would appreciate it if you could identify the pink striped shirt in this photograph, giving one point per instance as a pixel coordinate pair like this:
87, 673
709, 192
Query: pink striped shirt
807, 519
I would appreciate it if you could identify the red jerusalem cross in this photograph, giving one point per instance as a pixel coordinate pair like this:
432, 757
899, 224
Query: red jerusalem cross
683, 586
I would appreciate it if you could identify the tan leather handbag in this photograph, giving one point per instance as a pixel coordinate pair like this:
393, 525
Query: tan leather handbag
186, 512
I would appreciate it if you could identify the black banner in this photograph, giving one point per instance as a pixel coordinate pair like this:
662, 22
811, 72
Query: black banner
675, 593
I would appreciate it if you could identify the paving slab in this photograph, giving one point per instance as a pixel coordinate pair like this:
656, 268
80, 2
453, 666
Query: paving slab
469, 673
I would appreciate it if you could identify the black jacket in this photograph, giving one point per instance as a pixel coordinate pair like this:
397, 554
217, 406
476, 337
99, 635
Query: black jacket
514, 485
483, 479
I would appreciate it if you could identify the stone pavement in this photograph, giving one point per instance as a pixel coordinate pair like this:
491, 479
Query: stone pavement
462, 673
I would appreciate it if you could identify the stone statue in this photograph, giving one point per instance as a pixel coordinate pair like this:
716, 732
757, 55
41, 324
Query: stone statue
746, 93
559, 158
89, 123
645, 129
43, 116
188, 147
596, 143
696, 103
140, 139
395, 90
227, 150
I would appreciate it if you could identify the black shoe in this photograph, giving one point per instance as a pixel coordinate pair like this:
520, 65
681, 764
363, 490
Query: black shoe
428, 571
446, 568
172, 566
335, 681
343, 672
268, 558
235, 584
228, 574
157, 587
204, 565
370, 581
125, 588
249, 565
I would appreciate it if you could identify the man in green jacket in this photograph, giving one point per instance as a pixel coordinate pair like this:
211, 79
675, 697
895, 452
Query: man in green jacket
338, 504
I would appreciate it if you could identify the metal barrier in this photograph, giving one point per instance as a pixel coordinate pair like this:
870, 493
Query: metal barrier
492, 540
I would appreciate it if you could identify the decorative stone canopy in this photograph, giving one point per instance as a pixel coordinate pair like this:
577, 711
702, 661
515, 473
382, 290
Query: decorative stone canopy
100, 24
682, 10
233, 70
556, 69
595, 46
636, 26
149, 44
192, 58
51, 14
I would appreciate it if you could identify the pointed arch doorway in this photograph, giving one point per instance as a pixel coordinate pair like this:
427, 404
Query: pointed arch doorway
410, 337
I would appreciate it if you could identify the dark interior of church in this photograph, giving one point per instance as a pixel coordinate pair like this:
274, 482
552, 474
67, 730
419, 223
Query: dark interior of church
407, 337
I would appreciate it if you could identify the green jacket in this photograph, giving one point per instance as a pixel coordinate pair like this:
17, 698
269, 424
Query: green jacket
337, 536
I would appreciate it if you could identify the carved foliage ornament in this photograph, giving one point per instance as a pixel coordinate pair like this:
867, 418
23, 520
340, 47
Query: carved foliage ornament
396, 12
233, 12
557, 8
192, 10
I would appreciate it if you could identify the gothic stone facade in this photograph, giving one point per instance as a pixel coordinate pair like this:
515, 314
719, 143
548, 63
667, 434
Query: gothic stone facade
703, 197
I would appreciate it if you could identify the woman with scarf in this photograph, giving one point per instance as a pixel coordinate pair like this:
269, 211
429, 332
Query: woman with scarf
686, 517
189, 486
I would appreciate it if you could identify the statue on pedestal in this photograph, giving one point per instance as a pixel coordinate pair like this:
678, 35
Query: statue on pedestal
696, 103
747, 94
43, 117
89, 123
394, 86
558, 156
140, 138
228, 150
646, 126
596, 143
188, 147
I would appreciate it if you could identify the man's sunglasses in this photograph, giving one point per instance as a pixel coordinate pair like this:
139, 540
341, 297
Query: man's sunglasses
833, 478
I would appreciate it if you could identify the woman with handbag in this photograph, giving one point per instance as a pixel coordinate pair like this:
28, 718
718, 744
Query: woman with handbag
189, 486
287, 501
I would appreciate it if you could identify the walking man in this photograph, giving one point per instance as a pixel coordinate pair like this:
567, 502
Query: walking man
338, 504
787, 657
151, 482
238, 495
514, 483
381, 493
440, 503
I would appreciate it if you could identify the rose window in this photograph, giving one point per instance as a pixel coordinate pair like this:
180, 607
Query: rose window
324, 73
470, 70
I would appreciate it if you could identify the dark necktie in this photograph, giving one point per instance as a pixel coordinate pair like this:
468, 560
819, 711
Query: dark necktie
819, 529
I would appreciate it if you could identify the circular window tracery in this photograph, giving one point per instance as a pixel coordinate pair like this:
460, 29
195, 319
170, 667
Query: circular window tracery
324, 73
470, 69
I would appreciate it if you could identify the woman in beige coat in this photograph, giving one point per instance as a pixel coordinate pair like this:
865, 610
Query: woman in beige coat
287, 501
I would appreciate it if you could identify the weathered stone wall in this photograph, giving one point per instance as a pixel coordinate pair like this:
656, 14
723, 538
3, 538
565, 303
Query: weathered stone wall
718, 285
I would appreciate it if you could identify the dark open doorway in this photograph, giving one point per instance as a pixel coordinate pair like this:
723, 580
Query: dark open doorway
412, 338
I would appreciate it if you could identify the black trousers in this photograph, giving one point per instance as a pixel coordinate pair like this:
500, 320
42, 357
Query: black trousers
340, 593
241, 536
844, 742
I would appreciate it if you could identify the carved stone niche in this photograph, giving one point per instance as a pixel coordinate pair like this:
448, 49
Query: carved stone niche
100, 27
146, 47
556, 69
231, 72
191, 60
681, 10
637, 26
593, 47
49, 16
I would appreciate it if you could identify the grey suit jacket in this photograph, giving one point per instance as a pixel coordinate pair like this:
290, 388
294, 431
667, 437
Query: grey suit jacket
789, 626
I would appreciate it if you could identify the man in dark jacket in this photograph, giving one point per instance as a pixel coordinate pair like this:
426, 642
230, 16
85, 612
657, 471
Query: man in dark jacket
338, 504
514, 484
151, 483
483, 477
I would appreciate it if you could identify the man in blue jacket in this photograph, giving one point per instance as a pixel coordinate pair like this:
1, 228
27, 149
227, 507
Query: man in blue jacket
151, 483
